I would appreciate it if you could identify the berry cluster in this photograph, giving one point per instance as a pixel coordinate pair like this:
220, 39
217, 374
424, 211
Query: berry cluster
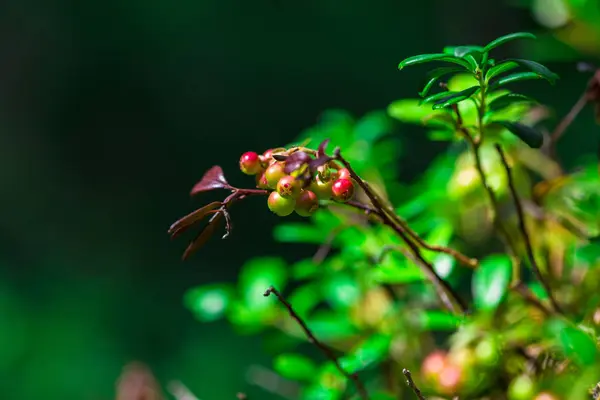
294, 186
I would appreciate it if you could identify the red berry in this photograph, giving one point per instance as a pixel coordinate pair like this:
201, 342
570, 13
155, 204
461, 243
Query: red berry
450, 379
280, 205
321, 189
307, 203
343, 174
250, 163
261, 181
289, 187
342, 190
433, 365
273, 174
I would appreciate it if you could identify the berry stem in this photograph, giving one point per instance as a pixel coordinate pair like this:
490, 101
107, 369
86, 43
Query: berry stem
448, 296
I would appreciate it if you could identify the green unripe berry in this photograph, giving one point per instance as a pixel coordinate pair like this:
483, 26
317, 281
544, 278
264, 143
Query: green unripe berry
521, 388
321, 189
289, 187
342, 190
250, 163
307, 203
487, 352
280, 205
273, 174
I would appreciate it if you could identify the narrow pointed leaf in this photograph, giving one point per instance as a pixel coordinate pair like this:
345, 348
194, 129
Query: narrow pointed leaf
212, 179
507, 38
491, 281
455, 98
435, 75
519, 76
295, 366
532, 137
424, 58
183, 223
435, 97
508, 99
203, 236
500, 69
537, 68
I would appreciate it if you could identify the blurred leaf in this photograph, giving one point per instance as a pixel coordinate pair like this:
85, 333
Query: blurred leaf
295, 366
574, 342
516, 77
538, 290
530, 136
507, 38
257, 275
304, 269
318, 392
209, 302
212, 179
537, 68
424, 58
396, 272
372, 126
341, 290
410, 111
383, 396
372, 351
435, 320
331, 326
299, 233
455, 98
588, 256
305, 298
491, 281
508, 99
435, 75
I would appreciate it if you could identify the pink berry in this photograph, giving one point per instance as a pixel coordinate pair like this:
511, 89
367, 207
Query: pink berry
307, 203
342, 190
250, 163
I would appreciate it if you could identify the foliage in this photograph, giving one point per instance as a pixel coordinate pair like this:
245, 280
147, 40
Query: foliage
390, 286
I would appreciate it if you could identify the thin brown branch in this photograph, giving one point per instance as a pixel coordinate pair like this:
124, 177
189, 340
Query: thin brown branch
411, 384
449, 297
325, 248
525, 292
524, 232
565, 123
312, 339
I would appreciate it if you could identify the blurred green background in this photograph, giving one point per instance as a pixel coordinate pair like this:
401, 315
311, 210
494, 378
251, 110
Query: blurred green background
111, 110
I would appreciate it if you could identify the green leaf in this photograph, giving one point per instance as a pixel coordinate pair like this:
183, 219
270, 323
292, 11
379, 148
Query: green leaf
455, 98
331, 326
531, 137
507, 38
574, 342
299, 233
410, 111
537, 68
424, 58
435, 75
383, 396
435, 320
500, 69
491, 280
304, 269
305, 298
209, 302
461, 51
295, 366
341, 290
436, 97
587, 256
258, 275
319, 392
508, 99
372, 351
518, 77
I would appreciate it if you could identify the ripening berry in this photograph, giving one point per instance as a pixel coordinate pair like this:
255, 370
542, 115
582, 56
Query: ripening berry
433, 365
521, 388
321, 189
261, 181
289, 187
307, 203
545, 396
273, 174
450, 379
343, 174
342, 190
250, 163
279, 205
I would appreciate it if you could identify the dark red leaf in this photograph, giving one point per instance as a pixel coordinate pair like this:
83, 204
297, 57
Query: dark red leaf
212, 179
295, 161
183, 223
316, 163
203, 236
280, 157
322, 147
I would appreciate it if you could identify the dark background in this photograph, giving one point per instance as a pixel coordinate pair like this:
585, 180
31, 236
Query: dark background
109, 113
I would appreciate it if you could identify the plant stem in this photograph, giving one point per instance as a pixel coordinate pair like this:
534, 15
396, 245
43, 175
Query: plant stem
524, 232
312, 339
411, 384
449, 297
